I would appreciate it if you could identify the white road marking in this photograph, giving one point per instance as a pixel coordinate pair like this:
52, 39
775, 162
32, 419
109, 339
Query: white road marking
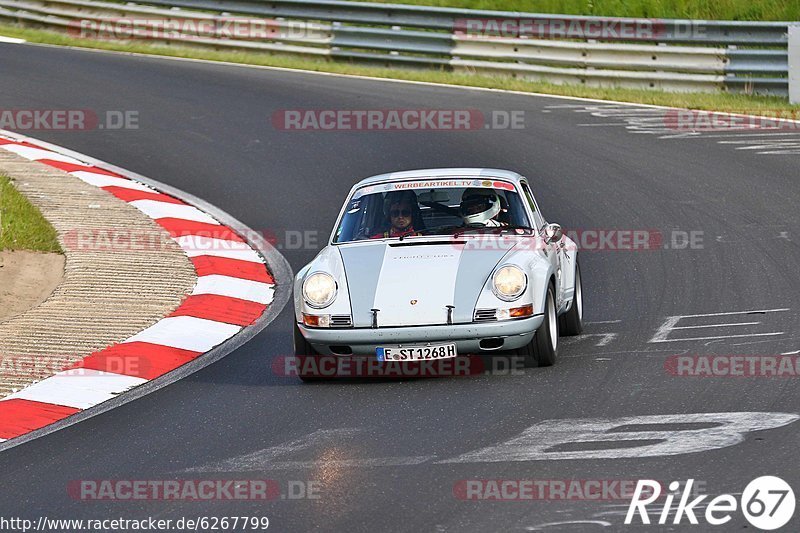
79, 388
655, 121
751, 312
717, 325
11, 40
263, 458
365, 462
766, 146
768, 134
270, 458
776, 142
791, 353
605, 338
745, 343
663, 331
715, 337
671, 324
541, 441
538, 442
541, 527
187, 333
654, 353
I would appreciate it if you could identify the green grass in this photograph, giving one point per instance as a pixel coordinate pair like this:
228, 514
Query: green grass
705, 101
784, 10
22, 226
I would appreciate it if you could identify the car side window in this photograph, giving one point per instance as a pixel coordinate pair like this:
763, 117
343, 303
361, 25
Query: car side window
529, 198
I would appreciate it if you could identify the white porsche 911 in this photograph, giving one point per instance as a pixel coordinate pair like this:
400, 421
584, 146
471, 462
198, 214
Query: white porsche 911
439, 263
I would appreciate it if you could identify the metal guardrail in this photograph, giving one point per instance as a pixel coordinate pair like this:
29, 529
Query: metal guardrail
674, 55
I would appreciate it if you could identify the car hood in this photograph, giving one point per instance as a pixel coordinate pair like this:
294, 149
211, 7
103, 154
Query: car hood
413, 282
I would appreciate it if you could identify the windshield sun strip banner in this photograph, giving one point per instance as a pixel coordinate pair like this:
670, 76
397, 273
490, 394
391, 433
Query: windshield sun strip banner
448, 183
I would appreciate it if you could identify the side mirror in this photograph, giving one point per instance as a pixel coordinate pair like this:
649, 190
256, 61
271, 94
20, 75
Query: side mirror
553, 233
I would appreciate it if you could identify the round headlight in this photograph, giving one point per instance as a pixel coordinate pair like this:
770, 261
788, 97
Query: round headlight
319, 290
509, 283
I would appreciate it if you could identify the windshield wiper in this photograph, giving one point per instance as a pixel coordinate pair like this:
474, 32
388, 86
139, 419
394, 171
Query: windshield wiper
463, 229
457, 231
494, 229
428, 231
513, 227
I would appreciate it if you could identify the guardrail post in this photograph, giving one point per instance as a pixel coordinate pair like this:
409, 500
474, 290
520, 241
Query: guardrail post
794, 63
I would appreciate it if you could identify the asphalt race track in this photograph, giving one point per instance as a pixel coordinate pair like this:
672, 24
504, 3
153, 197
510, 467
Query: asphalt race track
393, 455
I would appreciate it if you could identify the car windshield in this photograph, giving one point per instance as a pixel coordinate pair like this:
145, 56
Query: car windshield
430, 207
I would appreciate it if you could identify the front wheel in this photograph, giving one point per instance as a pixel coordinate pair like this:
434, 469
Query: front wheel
546, 338
303, 350
571, 323
542, 349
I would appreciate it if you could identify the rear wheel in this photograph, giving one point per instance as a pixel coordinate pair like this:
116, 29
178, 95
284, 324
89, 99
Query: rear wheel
571, 323
303, 350
542, 349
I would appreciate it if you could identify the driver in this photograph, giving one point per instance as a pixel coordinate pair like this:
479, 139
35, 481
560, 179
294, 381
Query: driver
480, 207
399, 208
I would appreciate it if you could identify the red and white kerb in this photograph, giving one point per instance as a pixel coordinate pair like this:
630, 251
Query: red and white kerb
233, 289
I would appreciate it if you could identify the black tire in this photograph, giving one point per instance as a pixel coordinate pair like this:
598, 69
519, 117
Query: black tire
528, 353
571, 322
546, 339
303, 349
540, 352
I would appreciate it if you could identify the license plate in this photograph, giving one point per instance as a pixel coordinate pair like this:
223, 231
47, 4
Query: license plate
416, 352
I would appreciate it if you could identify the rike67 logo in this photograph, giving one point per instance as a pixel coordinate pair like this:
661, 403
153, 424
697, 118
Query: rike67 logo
767, 502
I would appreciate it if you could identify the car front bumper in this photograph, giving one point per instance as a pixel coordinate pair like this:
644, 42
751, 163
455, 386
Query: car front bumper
363, 341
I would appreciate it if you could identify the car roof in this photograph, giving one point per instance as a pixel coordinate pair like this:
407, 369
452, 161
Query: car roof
442, 173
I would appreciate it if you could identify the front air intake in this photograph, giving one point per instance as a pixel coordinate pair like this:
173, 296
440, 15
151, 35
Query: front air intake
485, 315
341, 321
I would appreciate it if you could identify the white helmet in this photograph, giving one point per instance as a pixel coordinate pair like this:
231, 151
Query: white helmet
479, 206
